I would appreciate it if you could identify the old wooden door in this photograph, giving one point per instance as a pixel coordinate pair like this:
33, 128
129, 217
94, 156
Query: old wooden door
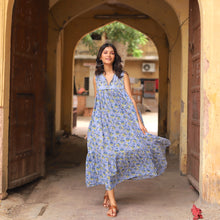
193, 127
27, 91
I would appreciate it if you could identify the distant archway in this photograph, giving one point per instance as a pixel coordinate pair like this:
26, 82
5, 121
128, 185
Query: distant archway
155, 33
168, 22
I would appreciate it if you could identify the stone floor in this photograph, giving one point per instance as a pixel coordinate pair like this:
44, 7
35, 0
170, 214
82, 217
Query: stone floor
63, 195
150, 120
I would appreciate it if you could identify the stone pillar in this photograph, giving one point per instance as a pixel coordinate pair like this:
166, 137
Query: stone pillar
209, 183
67, 82
184, 93
91, 76
5, 38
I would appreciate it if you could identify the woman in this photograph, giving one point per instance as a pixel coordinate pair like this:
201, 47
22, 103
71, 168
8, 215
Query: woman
119, 145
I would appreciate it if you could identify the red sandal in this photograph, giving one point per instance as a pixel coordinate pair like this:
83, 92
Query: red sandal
106, 202
114, 210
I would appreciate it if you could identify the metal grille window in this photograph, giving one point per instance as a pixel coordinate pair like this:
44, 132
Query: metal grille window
149, 88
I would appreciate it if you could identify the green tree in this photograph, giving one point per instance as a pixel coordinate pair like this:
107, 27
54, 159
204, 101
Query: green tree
118, 32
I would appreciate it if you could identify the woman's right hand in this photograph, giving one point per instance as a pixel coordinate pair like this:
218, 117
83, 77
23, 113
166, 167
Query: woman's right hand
144, 130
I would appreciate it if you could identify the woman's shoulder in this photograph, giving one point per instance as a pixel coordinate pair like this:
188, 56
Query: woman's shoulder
97, 76
124, 73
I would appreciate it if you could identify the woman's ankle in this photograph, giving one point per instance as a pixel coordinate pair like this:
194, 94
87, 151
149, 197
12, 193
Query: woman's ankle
113, 203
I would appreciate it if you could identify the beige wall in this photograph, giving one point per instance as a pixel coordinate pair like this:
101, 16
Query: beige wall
134, 68
5, 40
210, 102
81, 71
59, 81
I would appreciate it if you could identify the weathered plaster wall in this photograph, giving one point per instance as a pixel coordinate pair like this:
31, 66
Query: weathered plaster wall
210, 102
182, 11
133, 67
2, 48
59, 67
5, 40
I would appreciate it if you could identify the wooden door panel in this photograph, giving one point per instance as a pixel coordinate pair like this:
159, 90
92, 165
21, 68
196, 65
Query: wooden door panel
27, 92
193, 125
24, 123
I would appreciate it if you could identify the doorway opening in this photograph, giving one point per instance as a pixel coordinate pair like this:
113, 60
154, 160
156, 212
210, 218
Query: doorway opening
141, 62
153, 30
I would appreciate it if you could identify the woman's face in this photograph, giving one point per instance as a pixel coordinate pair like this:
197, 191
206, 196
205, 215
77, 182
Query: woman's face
108, 55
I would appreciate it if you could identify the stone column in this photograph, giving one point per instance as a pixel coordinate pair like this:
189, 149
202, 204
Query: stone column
5, 36
209, 183
91, 75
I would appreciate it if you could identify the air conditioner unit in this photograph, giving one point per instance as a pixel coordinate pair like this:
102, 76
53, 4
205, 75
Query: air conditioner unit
148, 67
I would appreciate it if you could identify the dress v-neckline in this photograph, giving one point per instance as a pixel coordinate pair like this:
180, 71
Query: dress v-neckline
110, 80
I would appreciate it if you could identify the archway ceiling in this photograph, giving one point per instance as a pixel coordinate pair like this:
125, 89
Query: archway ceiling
113, 11
147, 26
64, 11
52, 3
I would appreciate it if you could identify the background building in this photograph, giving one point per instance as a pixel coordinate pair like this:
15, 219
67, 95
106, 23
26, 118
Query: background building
143, 72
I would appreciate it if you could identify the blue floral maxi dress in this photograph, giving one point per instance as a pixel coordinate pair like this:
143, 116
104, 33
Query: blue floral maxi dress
117, 148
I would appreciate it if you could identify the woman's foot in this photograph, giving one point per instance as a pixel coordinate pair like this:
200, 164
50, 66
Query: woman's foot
106, 202
112, 211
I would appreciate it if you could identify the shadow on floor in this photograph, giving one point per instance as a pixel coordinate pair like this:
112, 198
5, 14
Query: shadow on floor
63, 195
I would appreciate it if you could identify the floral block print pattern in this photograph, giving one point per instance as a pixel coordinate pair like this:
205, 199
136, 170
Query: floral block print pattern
117, 148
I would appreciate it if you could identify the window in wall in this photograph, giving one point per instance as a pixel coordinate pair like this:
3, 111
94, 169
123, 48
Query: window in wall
149, 88
86, 83
96, 36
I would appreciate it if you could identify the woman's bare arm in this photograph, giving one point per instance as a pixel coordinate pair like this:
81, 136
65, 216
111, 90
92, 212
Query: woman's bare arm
94, 83
128, 90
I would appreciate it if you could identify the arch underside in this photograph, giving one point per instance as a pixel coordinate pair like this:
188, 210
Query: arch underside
84, 20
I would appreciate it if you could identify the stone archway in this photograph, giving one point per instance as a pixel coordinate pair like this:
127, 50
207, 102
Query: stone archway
167, 21
208, 144
153, 31
52, 41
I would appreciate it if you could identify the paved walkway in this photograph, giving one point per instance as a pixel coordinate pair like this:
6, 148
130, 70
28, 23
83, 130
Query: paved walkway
150, 120
62, 194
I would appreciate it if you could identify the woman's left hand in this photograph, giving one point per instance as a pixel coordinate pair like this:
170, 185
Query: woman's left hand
144, 130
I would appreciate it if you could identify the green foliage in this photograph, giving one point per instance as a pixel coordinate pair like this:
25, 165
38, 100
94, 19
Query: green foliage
119, 32
87, 40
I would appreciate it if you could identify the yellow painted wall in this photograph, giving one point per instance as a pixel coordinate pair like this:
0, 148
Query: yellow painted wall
81, 71
210, 102
134, 68
181, 9
59, 67
5, 40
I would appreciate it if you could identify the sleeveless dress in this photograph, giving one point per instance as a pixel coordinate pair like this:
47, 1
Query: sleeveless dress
117, 148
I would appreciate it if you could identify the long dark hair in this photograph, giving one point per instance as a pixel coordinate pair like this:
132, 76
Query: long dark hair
117, 67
